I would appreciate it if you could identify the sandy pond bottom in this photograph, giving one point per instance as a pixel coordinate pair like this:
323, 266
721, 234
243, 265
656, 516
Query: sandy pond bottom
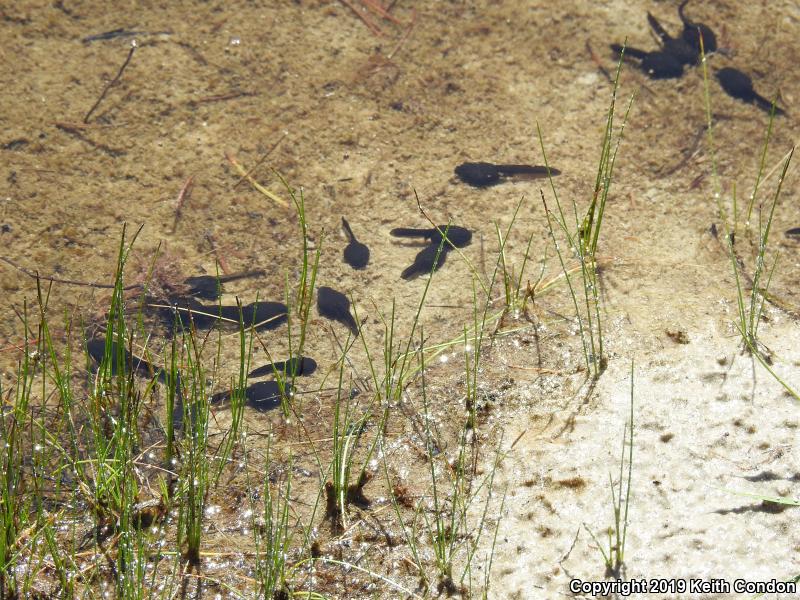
708, 432
365, 121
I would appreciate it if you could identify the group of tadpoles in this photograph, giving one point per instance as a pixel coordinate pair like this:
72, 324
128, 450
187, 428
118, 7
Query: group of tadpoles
687, 49
186, 309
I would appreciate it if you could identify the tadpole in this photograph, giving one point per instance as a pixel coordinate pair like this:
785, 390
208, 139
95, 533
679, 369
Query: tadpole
484, 174
675, 52
458, 236
656, 65
679, 48
208, 287
96, 348
262, 395
262, 315
428, 259
297, 365
692, 32
356, 254
739, 85
431, 258
335, 306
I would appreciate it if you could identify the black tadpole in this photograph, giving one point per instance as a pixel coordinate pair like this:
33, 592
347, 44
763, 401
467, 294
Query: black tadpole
661, 65
692, 32
656, 65
458, 236
484, 174
208, 287
427, 260
297, 365
96, 348
262, 395
188, 311
738, 84
431, 257
675, 52
335, 306
356, 254
681, 50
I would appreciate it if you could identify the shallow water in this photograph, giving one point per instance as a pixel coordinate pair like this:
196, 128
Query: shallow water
365, 124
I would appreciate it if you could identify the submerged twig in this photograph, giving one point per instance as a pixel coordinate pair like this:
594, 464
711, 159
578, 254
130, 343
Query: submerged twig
404, 37
260, 161
36, 275
244, 173
222, 97
77, 131
223, 264
380, 10
118, 33
183, 196
367, 21
112, 82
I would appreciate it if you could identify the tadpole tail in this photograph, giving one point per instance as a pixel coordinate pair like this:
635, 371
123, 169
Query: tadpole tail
242, 275
348, 231
766, 105
411, 272
269, 369
210, 281
427, 260
298, 365
629, 51
351, 323
658, 28
685, 21
178, 408
534, 170
410, 232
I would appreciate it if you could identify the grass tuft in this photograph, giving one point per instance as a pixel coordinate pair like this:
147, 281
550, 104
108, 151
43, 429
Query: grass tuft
750, 310
583, 236
614, 552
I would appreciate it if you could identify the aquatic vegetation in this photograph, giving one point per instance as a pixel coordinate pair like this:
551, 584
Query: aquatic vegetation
582, 238
614, 551
166, 439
